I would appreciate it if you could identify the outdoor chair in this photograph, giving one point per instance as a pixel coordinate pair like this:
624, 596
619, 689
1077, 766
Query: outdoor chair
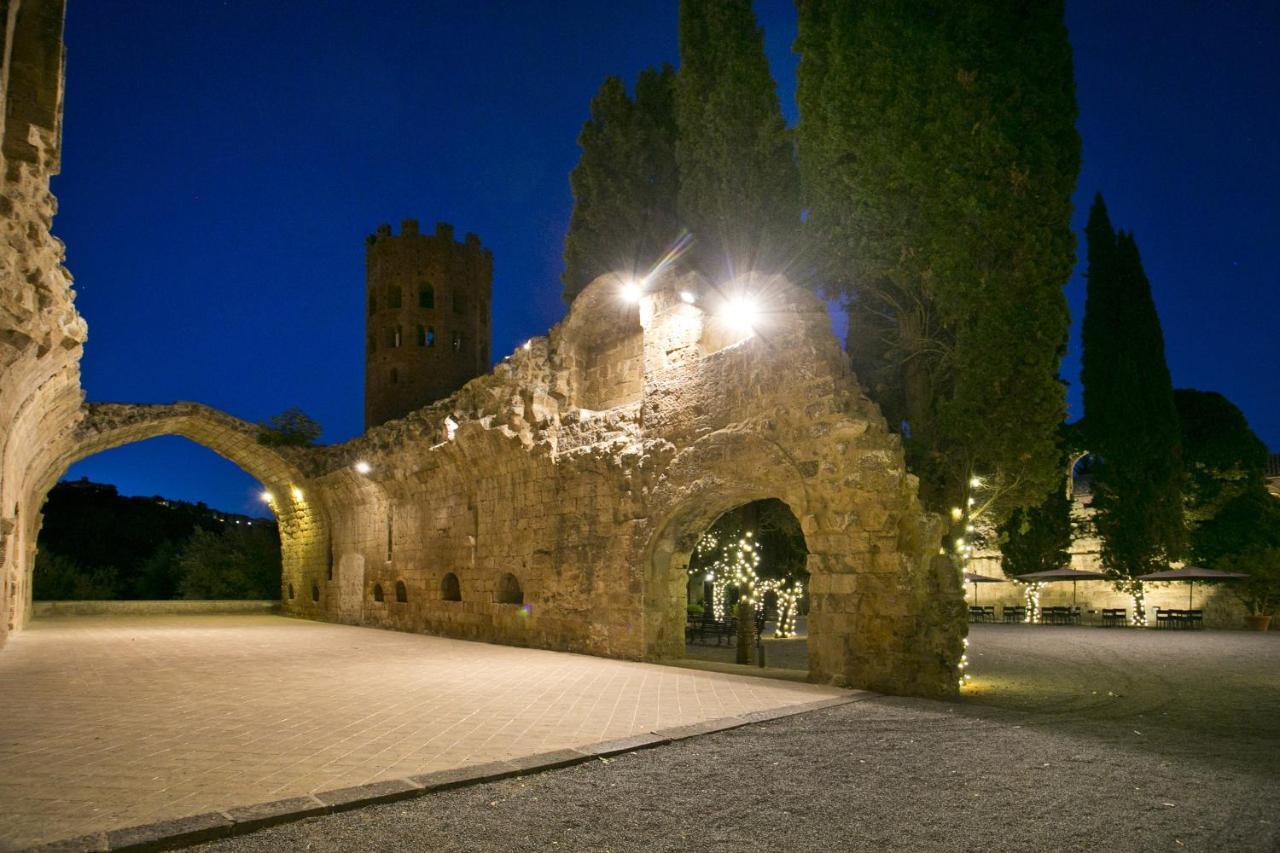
1014, 613
1115, 617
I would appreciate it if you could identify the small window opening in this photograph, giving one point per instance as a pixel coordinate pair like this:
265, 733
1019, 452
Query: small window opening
450, 589
509, 591
426, 296
390, 537
377, 592
402, 593
315, 592
291, 592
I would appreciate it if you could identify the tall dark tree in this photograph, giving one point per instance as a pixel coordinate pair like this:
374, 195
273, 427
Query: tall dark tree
1130, 420
1038, 539
1230, 514
938, 156
739, 185
624, 185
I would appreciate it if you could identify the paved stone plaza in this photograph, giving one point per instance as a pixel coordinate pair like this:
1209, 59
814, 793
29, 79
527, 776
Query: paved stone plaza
116, 721
1069, 739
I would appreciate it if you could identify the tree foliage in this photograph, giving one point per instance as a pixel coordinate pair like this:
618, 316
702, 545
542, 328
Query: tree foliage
233, 564
1221, 455
97, 544
774, 527
739, 185
291, 428
1130, 418
624, 184
938, 156
1260, 592
1038, 539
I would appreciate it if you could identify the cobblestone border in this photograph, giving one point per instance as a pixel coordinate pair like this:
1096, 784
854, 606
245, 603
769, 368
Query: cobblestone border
194, 829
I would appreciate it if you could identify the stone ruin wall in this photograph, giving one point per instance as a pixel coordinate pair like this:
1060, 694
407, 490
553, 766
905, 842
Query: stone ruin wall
41, 335
586, 465
595, 511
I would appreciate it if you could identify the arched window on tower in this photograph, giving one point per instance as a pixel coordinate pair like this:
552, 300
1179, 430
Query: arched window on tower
426, 296
393, 297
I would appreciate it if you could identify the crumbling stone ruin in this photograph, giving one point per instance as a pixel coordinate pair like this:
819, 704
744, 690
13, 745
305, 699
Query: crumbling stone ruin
553, 502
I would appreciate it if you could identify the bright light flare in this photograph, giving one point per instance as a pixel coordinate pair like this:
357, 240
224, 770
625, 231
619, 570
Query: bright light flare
363, 467
267, 497
632, 291
743, 312
687, 297
296, 492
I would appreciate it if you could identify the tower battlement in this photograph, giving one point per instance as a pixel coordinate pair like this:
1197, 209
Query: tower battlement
427, 329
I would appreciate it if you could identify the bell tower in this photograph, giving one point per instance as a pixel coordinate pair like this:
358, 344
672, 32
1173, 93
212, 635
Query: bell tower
427, 317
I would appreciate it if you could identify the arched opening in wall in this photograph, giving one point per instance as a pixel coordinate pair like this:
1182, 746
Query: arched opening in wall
315, 591
450, 589
402, 593
508, 591
126, 524
741, 584
377, 593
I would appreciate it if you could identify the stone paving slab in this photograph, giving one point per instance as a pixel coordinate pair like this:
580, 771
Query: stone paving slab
113, 724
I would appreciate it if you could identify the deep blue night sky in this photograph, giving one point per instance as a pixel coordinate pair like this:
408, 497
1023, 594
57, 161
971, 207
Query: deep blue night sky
223, 162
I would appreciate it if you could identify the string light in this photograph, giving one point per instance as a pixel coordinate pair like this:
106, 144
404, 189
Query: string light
736, 567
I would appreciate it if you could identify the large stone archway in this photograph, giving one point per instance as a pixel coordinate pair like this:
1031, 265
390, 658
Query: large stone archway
103, 426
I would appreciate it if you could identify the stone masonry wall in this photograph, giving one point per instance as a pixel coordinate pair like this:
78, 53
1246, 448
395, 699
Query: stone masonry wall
594, 512
41, 335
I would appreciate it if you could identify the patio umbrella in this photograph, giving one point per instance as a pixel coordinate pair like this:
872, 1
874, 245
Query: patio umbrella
975, 579
1072, 575
1191, 574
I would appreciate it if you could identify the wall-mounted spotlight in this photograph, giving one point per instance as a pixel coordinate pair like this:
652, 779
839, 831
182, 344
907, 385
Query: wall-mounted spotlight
632, 291
267, 497
687, 297
363, 467
743, 312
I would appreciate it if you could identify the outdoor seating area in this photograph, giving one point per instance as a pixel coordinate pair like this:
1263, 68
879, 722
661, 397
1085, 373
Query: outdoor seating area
1060, 615
1115, 617
1014, 613
982, 613
1179, 619
701, 627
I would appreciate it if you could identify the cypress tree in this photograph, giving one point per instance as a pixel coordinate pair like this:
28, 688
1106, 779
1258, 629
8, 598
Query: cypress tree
938, 156
624, 184
739, 187
1131, 422
1038, 539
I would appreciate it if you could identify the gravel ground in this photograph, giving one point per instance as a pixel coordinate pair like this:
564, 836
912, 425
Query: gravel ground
1068, 739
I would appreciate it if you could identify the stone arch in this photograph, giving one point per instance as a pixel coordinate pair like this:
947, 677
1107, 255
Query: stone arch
703, 483
302, 522
509, 590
